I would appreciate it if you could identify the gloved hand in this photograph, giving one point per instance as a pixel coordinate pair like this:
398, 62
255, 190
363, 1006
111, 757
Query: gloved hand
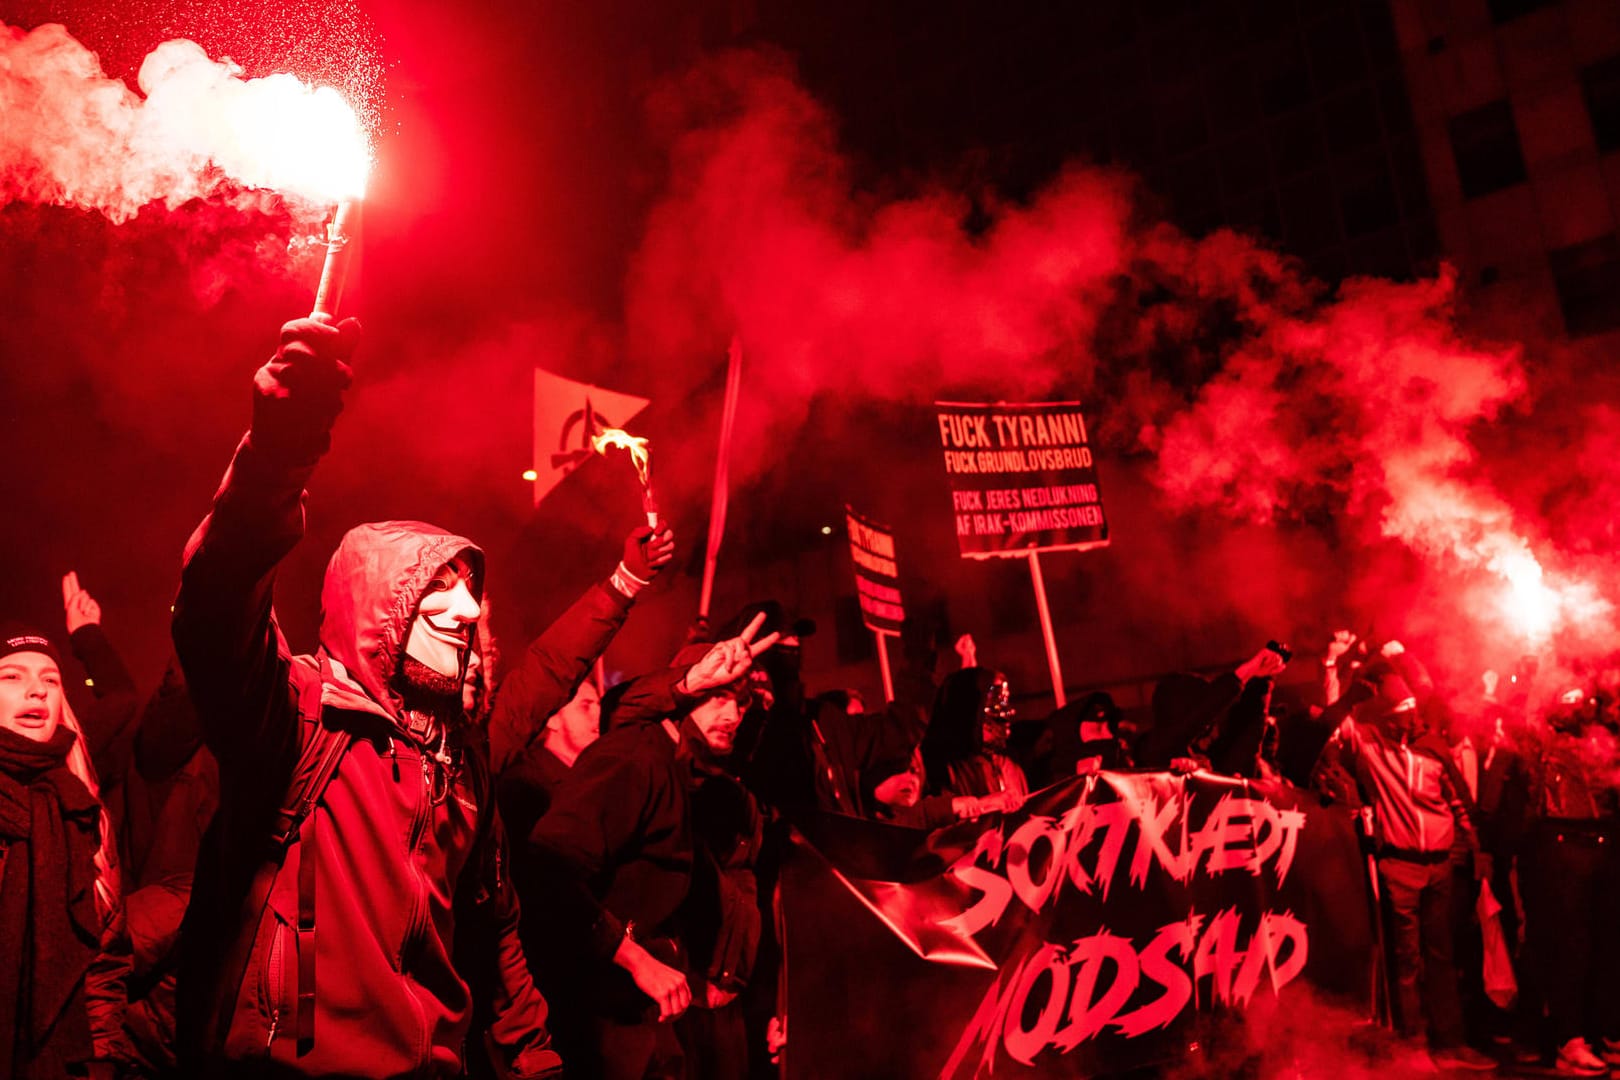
647, 551
298, 394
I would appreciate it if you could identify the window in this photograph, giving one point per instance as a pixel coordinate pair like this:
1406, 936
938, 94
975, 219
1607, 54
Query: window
1600, 85
1587, 277
1486, 146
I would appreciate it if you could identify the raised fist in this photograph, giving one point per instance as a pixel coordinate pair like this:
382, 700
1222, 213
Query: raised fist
298, 394
648, 550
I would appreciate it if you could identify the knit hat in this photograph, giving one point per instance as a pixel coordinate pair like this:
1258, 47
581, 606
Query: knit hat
16, 637
1394, 692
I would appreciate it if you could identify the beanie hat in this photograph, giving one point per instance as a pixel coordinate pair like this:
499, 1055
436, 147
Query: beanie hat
16, 637
1394, 693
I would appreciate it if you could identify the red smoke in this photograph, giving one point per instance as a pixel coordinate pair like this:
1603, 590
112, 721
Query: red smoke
761, 233
1361, 408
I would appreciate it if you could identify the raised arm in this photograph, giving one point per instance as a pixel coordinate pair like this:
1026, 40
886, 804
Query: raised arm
225, 635
557, 661
107, 722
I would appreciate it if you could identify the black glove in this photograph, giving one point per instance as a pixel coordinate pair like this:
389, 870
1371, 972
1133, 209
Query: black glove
647, 551
298, 394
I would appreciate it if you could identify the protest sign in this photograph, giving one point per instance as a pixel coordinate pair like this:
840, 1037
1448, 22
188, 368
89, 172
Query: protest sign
877, 578
1022, 478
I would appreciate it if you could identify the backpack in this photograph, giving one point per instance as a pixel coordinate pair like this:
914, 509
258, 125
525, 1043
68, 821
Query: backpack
321, 751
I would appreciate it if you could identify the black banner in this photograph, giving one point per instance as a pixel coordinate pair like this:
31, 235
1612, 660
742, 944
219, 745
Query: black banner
1021, 477
877, 578
1115, 922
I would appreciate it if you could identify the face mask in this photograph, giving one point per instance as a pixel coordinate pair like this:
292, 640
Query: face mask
996, 715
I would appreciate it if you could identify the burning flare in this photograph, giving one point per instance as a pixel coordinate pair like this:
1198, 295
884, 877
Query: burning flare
74, 136
640, 457
611, 438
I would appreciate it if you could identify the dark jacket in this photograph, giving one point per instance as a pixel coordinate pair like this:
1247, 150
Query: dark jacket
616, 849
1186, 707
61, 990
165, 790
1416, 808
403, 841
552, 668
1571, 782
953, 750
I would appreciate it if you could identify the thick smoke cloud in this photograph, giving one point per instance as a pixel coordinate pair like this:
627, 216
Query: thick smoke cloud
1263, 397
76, 137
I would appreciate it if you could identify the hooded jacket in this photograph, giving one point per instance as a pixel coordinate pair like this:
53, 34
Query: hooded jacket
953, 750
404, 840
1416, 809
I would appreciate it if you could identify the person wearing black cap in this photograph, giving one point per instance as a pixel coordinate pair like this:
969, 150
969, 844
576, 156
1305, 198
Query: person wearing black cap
60, 995
619, 851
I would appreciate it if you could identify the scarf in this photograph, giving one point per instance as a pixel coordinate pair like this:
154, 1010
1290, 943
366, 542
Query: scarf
49, 927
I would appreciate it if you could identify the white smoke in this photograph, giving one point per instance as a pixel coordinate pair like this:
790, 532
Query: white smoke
73, 136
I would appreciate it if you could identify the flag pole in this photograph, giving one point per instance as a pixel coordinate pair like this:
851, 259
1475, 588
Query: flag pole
717, 508
883, 665
1039, 582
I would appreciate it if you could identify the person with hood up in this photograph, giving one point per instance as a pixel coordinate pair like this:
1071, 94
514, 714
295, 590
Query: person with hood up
964, 748
1220, 720
61, 994
621, 849
356, 831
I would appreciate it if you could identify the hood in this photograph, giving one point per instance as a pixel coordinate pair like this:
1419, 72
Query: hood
369, 598
955, 729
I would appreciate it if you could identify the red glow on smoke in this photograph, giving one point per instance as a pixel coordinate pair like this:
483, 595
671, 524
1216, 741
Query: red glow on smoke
1362, 407
76, 137
761, 234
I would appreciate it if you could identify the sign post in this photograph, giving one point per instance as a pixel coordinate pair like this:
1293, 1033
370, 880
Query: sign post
1022, 482
1052, 663
722, 469
877, 586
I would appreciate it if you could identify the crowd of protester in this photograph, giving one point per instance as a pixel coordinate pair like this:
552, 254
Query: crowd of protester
408, 854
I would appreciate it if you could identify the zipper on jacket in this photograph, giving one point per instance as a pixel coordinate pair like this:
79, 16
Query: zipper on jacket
1412, 787
274, 981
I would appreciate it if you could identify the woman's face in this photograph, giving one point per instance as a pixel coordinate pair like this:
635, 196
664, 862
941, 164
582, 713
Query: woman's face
30, 695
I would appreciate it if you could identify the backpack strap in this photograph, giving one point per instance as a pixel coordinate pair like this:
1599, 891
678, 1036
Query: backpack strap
321, 751
335, 745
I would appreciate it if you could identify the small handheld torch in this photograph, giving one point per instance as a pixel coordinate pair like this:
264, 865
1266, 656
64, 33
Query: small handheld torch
640, 457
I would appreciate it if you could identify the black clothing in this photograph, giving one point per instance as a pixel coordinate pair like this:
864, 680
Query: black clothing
1570, 880
1185, 708
1417, 911
50, 928
526, 789
551, 670
616, 848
